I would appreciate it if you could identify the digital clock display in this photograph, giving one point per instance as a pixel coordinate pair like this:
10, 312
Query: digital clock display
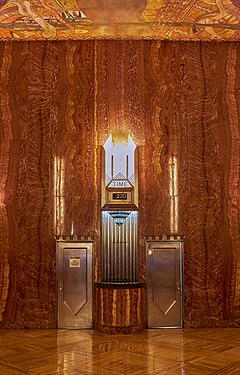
119, 196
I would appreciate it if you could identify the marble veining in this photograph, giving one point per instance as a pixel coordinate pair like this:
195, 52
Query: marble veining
58, 103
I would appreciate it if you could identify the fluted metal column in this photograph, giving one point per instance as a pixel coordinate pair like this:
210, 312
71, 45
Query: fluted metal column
119, 248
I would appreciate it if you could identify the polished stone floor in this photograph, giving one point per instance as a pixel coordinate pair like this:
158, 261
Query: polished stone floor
152, 352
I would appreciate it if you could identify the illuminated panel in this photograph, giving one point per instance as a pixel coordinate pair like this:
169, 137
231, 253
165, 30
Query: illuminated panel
119, 160
119, 171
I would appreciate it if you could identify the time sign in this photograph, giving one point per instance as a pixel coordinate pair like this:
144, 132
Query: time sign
119, 196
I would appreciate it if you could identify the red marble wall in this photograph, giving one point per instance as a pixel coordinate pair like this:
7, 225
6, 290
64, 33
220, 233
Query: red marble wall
46, 116
193, 116
58, 101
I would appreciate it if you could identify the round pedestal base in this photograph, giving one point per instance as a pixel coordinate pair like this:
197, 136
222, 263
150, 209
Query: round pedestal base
120, 307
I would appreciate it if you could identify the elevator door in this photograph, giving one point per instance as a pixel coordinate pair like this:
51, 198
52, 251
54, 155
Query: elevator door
164, 283
74, 278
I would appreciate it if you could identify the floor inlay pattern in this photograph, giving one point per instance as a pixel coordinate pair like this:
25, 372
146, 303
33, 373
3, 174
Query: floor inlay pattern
152, 352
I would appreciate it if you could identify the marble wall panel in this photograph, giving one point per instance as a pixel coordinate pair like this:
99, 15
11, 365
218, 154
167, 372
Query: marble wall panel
206, 78
120, 88
211, 145
75, 185
28, 261
42, 113
166, 150
229, 160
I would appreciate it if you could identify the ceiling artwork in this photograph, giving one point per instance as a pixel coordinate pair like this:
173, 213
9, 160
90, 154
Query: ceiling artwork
137, 19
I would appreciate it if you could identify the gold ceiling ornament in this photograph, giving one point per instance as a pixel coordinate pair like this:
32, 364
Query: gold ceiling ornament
152, 9
125, 19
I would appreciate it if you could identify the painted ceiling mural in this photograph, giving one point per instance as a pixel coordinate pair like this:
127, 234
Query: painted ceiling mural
80, 19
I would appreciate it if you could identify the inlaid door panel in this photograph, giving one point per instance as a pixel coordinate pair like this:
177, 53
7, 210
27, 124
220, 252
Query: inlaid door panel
164, 283
74, 274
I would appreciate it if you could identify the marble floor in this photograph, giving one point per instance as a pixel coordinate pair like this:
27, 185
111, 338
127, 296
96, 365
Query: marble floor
151, 352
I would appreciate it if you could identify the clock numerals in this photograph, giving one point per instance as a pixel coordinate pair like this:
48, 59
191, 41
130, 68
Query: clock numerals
119, 196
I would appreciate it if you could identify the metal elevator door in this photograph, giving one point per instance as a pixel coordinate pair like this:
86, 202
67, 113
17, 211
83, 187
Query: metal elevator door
165, 283
75, 284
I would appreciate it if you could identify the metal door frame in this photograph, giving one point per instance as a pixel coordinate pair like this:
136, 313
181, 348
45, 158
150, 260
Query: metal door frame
60, 245
171, 240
